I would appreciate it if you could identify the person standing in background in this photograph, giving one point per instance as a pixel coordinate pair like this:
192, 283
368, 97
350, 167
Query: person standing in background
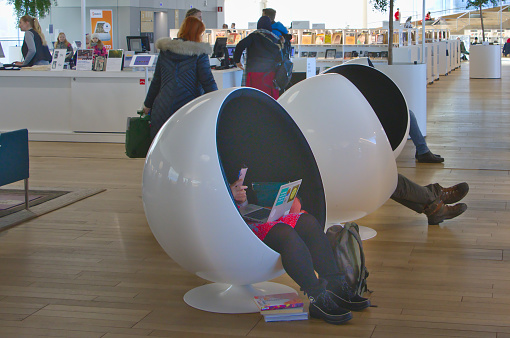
397, 15
263, 53
195, 13
182, 73
278, 28
35, 48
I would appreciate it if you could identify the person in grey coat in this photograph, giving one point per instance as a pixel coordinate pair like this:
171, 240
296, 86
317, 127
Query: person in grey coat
182, 73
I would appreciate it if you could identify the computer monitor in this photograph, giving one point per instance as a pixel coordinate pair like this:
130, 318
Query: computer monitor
219, 47
2, 55
231, 51
138, 44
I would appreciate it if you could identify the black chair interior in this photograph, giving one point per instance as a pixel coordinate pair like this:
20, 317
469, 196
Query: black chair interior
382, 94
254, 130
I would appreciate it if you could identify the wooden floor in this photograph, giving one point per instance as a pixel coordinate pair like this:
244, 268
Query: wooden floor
93, 269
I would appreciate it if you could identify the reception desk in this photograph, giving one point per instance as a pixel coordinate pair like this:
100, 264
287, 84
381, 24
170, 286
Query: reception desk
78, 106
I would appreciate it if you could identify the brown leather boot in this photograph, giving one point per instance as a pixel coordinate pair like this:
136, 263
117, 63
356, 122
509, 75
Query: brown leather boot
455, 193
438, 211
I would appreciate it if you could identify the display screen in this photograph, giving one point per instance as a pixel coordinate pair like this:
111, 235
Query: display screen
136, 45
142, 60
231, 51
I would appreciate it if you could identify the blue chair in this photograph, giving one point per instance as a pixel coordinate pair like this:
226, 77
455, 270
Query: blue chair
14, 158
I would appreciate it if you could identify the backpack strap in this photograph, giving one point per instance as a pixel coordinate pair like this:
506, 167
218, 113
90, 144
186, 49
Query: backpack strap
353, 229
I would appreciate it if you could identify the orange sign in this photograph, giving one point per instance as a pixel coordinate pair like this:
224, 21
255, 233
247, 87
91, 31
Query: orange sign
101, 23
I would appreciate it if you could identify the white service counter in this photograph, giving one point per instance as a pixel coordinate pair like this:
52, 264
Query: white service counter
81, 106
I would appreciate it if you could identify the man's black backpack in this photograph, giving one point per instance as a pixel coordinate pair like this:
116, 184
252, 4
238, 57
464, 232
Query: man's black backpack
348, 251
284, 68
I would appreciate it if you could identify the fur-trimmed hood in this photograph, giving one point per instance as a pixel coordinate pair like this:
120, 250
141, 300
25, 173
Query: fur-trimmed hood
183, 47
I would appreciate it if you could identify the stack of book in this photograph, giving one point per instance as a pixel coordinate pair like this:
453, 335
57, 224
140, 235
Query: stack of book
281, 307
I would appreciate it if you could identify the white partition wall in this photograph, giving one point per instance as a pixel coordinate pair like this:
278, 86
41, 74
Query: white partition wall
485, 62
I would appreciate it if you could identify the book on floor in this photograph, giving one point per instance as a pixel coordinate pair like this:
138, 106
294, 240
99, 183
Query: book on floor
286, 317
283, 311
278, 301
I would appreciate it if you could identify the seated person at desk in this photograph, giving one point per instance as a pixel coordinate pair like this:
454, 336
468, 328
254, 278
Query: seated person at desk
428, 17
35, 49
62, 43
304, 248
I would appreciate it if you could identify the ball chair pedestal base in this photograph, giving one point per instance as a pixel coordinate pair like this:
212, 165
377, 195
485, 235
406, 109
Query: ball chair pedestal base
366, 232
225, 298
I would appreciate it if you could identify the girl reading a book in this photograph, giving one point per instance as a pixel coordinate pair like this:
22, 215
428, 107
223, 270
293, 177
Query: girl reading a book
304, 248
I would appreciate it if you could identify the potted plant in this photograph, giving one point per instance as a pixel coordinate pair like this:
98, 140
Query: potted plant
35, 8
382, 6
484, 61
479, 4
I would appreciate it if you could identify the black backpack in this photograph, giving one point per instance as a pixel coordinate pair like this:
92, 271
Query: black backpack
284, 68
348, 251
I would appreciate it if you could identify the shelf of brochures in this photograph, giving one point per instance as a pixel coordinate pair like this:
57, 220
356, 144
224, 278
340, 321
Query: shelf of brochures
334, 37
491, 35
335, 46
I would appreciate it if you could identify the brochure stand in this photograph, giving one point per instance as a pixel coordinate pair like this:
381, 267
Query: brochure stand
145, 61
58, 59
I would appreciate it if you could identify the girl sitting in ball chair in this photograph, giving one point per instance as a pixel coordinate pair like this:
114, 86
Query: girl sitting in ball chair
304, 248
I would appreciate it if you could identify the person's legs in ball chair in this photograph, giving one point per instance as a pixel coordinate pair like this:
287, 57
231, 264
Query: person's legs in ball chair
305, 249
433, 200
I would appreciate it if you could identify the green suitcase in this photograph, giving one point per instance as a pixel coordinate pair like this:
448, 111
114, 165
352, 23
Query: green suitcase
138, 138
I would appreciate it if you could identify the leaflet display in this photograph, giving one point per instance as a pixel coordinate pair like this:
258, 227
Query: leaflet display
58, 59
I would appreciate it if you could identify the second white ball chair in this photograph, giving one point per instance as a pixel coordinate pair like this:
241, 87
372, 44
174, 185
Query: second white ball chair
384, 97
350, 146
188, 202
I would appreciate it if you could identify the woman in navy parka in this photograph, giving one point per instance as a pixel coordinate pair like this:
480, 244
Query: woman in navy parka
182, 73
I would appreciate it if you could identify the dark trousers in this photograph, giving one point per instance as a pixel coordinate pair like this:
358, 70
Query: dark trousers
304, 250
415, 196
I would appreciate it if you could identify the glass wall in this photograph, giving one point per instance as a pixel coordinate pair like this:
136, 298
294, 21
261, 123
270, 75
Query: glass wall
10, 36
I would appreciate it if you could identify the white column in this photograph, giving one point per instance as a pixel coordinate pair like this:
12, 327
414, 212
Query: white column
220, 16
83, 24
364, 20
423, 33
500, 23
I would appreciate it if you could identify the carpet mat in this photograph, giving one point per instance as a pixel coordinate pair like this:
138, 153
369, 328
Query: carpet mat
41, 201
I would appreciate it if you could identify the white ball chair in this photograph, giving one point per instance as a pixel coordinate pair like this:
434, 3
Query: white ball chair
188, 202
350, 146
384, 97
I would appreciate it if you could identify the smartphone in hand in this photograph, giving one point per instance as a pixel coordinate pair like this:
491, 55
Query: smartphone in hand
242, 174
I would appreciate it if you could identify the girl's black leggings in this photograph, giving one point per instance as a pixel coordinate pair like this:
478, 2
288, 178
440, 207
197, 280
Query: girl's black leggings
303, 249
